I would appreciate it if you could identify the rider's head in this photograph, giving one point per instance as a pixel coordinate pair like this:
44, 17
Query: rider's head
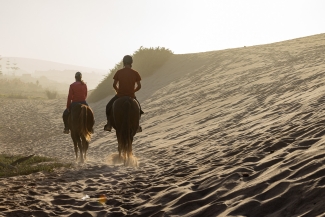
78, 77
127, 60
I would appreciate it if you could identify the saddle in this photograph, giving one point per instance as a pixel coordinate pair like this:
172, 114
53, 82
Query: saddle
141, 112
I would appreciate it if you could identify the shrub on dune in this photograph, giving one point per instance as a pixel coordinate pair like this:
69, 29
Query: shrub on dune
13, 165
146, 62
51, 94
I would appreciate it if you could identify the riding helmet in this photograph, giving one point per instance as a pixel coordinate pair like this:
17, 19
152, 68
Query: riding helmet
127, 59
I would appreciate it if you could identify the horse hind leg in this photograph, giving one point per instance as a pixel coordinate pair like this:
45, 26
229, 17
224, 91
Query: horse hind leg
128, 153
76, 149
79, 142
75, 143
125, 158
85, 145
118, 144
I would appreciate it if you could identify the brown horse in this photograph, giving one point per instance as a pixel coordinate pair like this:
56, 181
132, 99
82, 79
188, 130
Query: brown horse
125, 116
81, 122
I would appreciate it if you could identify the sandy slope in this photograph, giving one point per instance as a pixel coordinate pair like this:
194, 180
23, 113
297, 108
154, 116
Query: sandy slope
236, 132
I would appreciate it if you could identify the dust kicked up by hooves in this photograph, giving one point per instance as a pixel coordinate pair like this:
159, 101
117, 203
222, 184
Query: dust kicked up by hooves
115, 159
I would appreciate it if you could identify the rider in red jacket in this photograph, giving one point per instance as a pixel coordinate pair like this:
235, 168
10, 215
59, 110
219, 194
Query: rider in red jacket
77, 94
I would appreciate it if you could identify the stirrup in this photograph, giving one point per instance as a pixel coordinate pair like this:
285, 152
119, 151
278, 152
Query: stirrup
139, 129
66, 131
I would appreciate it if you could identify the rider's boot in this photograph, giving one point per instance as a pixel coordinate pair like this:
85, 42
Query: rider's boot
108, 126
66, 131
65, 117
66, 128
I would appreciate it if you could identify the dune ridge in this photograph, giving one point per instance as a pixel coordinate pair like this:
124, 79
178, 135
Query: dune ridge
237, 132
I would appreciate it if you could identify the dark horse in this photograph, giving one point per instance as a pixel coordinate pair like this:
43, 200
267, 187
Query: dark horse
81, 122
125, 116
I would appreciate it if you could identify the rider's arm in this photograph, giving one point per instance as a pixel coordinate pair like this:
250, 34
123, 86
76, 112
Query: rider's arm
138, 86
115, 85
86, 90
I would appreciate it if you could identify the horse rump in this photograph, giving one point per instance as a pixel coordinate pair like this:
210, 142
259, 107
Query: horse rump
81, 123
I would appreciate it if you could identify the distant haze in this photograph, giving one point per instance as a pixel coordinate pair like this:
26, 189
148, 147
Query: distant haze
62, 74
99, 33
27, 65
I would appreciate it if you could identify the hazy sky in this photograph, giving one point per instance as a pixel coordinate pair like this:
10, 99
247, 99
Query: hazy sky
98, 33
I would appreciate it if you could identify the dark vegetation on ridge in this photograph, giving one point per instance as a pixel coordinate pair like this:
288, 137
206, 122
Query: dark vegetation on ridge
146, 62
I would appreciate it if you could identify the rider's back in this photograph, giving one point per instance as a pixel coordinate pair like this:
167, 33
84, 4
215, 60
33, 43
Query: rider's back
127, 78
78, 91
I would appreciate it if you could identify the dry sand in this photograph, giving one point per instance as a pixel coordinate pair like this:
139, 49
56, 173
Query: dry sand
237, 132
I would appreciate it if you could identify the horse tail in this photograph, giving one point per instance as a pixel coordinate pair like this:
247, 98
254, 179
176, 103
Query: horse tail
83, 123
126, 129
90, 119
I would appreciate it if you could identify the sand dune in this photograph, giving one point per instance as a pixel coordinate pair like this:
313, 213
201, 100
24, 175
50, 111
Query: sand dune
236, 132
